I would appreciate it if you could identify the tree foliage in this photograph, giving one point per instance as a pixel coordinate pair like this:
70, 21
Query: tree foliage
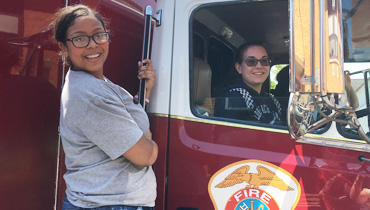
273, 72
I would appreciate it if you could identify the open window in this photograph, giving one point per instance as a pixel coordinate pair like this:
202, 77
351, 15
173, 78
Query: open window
216, 32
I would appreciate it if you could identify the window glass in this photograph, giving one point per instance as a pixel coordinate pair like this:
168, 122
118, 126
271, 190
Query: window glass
356, 28
218, 89
356, 40
279, 84
360, 86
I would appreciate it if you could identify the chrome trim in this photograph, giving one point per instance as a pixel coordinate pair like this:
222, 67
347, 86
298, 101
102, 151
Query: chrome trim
223, 123
158, 18
362, 158
148, 10
292, 51
323, 91
322, 50
158, 115
312, 43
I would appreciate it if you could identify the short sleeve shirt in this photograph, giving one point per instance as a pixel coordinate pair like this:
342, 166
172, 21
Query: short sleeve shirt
99, 122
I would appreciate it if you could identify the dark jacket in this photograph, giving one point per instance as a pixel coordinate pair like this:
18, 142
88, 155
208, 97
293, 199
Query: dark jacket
239, 101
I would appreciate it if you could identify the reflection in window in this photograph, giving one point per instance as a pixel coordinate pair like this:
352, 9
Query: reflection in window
356, 40
356, 30
333, 47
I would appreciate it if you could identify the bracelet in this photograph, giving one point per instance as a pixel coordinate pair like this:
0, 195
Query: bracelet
146, 100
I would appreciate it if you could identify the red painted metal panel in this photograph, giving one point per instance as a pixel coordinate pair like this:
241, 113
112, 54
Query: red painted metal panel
29, 106
198, 150
159, 128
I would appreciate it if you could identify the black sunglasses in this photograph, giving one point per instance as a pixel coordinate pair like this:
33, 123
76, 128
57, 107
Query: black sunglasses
83, 41
254, 61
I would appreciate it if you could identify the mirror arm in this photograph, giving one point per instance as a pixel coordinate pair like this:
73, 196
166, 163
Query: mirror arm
322, 122
333, 117
353, 10
326, 118
359, 129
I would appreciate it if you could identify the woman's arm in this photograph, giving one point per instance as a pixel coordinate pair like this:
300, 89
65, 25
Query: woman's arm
143, 153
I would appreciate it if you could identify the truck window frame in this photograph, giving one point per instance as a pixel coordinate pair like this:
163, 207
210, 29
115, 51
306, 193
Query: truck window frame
208, 39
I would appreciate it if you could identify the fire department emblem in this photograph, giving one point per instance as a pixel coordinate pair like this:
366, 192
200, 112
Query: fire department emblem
253, 185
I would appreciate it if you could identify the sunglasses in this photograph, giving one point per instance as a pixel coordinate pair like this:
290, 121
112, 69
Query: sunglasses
254, 61
83, 41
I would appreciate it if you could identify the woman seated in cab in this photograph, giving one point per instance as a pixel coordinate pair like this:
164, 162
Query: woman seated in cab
245, 100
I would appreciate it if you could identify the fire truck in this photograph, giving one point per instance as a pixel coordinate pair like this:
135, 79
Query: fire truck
317, 157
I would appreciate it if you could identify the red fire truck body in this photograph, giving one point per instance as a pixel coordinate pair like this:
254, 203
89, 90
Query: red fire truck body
205, 161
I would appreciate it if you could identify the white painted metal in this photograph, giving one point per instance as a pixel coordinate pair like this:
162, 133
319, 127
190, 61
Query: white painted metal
170, 54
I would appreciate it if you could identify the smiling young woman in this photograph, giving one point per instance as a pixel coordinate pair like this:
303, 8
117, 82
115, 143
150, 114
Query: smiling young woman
91, 57
105, 135
245, 100
255, 67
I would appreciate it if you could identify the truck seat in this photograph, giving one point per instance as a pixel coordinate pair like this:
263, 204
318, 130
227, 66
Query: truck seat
202, 88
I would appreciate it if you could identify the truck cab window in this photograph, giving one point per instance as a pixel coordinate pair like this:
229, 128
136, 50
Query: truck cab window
357, 63
223, 28
280, 87
360, 85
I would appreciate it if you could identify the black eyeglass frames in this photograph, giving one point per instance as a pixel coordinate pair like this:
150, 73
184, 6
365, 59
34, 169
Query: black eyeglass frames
83, 41
254, 61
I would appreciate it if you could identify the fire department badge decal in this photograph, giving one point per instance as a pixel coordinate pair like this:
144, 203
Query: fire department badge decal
253, 185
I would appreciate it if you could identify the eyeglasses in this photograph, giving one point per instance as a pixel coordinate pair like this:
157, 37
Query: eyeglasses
254, 61
83, 41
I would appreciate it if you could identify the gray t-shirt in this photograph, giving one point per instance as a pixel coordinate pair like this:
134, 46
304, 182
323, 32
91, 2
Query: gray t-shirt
99, 122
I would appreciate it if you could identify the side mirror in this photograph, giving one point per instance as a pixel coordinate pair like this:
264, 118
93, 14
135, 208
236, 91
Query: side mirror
316, 49
317, 74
